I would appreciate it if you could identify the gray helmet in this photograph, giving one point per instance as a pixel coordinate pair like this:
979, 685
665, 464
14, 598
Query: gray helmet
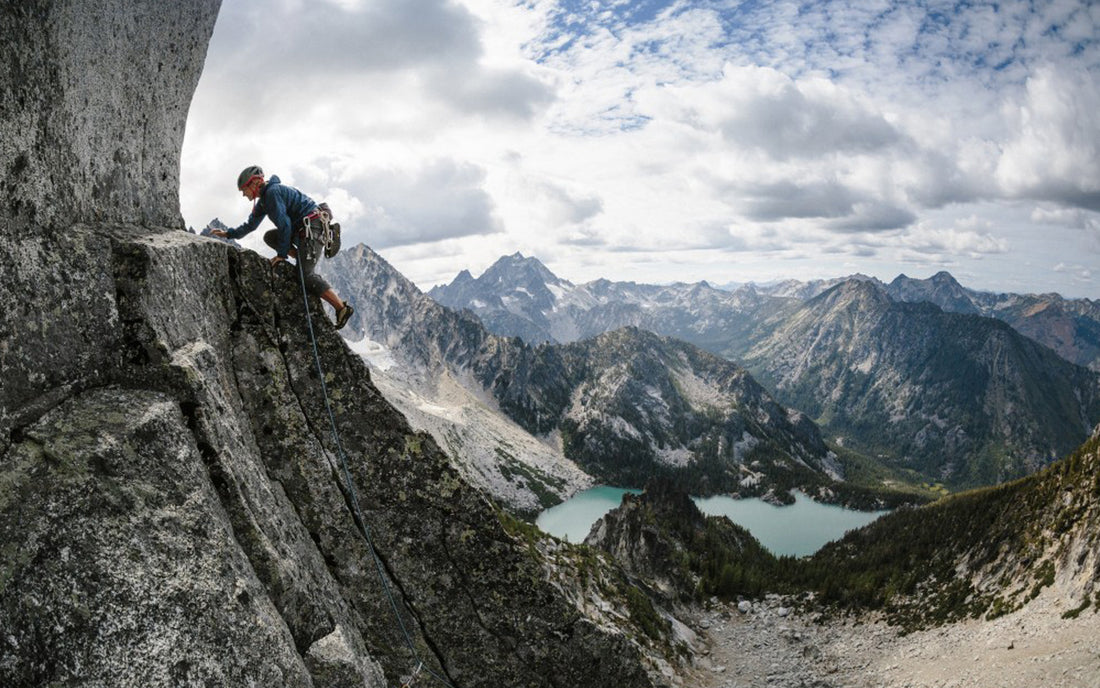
248, 173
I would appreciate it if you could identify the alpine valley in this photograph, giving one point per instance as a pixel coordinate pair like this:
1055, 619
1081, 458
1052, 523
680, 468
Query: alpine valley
906, 391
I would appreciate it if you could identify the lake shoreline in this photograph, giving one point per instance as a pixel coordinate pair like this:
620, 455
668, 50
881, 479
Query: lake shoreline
797, 529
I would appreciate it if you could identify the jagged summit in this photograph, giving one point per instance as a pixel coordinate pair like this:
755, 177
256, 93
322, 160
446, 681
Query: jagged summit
805, 290
522, 272
941, 289
853, 293
513, 297
208, 231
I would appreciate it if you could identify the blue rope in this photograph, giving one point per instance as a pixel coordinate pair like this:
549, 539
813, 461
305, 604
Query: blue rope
360, 522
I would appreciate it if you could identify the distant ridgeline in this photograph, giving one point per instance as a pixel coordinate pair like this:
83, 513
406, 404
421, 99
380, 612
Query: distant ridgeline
917, 374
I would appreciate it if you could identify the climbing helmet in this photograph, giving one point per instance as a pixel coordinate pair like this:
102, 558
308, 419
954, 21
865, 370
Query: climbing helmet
247, 174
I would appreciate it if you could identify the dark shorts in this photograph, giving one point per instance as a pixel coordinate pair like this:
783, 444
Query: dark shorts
307, 258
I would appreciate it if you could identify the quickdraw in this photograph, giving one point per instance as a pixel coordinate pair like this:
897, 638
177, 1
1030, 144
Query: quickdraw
412, 679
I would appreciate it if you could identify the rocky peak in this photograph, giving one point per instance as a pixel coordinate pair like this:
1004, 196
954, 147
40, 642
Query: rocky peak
941, 289
513, 297
853, 293
518, 270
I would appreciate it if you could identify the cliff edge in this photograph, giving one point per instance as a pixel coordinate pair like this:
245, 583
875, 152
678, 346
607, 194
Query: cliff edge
171, 509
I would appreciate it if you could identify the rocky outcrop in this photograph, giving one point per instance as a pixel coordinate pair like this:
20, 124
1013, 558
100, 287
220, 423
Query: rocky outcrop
662, 538
172, 502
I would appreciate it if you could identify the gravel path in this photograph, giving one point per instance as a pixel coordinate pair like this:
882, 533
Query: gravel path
774, 646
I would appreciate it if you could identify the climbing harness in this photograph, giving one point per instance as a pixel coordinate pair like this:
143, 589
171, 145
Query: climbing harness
353, 497
319, 225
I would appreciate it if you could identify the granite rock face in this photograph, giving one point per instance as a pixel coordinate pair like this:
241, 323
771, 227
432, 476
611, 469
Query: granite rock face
119, 548
96, 94
172, 504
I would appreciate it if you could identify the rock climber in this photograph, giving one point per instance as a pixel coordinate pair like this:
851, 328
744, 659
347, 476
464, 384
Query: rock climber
290, 210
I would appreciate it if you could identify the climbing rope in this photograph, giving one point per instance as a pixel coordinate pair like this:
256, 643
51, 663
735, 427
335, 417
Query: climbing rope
353, 497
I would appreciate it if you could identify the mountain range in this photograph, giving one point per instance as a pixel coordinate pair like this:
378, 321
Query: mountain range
961, 398
914, 373
624, 406
519, 296
1071, 327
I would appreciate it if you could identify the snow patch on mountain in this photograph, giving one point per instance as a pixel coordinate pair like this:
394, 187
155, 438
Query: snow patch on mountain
526, 473
377, 355
678, 457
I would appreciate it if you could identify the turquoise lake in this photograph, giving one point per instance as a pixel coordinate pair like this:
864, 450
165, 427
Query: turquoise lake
796, 530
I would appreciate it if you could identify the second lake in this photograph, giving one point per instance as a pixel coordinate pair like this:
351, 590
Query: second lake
796, 530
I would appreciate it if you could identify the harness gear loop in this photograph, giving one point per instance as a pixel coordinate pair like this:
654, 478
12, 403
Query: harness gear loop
319, 225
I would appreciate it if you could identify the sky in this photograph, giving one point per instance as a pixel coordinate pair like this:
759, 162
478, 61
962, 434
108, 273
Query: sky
660, 141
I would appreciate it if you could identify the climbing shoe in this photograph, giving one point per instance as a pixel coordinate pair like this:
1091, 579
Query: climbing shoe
332, 239
343, 315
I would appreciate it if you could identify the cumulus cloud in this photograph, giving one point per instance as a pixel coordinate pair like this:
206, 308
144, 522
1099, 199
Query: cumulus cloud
1068, 217
566, 208
941, 244
874, 215
785, 118
787, 199
281, 54
443, 199
1054, 153
492, 92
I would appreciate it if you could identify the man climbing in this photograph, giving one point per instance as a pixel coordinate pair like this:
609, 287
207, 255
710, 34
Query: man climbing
293, 213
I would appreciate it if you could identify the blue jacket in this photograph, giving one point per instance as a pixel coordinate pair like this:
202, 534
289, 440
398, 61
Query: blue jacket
287, 208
